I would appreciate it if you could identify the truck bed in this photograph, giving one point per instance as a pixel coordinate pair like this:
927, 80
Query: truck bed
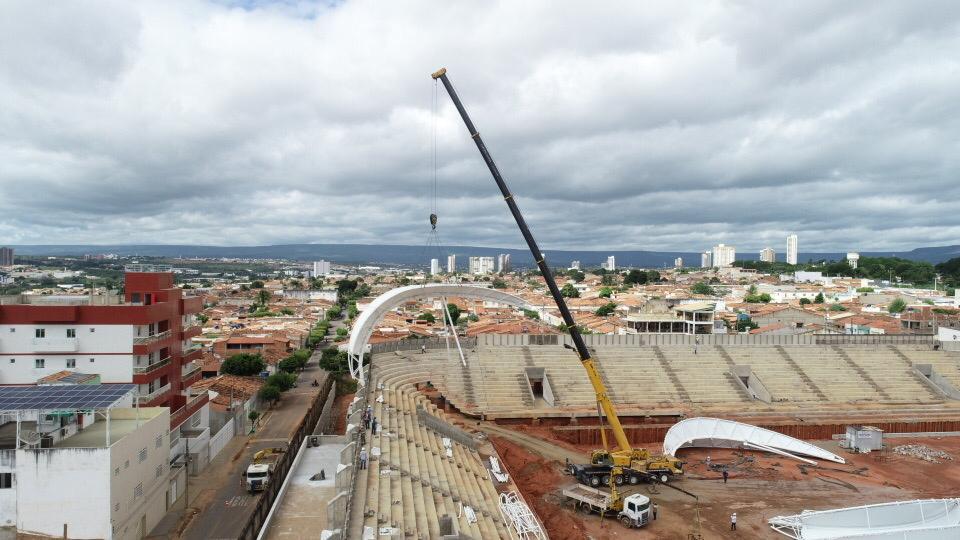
592, 496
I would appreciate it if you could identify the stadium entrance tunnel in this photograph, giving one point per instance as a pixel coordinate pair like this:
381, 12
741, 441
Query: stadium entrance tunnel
387, 302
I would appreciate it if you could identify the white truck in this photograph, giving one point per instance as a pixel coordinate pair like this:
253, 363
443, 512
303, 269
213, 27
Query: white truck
259, 473
633, 510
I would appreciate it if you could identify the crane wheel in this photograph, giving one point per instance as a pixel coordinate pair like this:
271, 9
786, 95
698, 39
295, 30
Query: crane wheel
634, 480
594, 481
664, 478
618, 479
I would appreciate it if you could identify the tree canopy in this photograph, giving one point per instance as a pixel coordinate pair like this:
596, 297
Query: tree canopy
244, 365
569, 291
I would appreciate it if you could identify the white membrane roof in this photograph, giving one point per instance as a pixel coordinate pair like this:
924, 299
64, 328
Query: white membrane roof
929, 519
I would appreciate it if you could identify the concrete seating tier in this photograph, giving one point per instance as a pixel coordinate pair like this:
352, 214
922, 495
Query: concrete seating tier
892, 373
414, 483
946, 363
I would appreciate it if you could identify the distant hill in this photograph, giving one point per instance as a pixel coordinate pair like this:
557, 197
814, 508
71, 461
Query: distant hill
419, 255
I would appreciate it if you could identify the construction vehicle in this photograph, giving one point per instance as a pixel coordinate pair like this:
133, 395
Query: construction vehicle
633, 510
646, 467
624, 462
259, 473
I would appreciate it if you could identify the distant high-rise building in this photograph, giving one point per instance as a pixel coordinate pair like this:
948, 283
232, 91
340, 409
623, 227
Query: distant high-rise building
853, 259
503, 263
451, 263
768, 255
792, 249
481, 265
678, 262
574, 265
6, 256
706, 259
723, 255
434, 267
321, 268
611, 264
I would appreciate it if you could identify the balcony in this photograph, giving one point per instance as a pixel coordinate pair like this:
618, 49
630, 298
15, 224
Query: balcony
190, 373
159, 392
192, 405
191, 331
143, 370
146, 340
42, 345
193, 353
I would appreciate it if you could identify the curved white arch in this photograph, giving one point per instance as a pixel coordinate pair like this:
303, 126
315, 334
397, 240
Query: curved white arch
715, 432
386, 302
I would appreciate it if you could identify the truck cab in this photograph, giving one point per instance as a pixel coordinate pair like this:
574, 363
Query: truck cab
258, 475
636, 511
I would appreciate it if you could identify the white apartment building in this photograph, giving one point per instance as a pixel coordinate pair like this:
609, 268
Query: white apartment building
706, 259
451, 264
767, 254
321, 268
853, 259
611, 264
481, 265
434, 267
792, 249
503, 263
723, 255
678, 262
109, 478
574, 265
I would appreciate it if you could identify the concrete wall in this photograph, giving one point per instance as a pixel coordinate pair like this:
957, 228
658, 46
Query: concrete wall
8, 497
110, 346
221, 439
152, 474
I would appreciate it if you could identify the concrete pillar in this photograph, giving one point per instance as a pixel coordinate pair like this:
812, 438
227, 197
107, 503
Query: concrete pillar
344, 477
346, 455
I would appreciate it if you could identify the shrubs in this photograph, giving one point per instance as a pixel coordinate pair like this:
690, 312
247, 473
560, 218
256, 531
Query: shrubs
243, 365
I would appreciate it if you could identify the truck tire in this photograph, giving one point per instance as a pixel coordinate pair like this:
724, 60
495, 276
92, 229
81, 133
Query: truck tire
664, 477
627, 522
605, 480
618, 479
634, 480
585, 508
594, 481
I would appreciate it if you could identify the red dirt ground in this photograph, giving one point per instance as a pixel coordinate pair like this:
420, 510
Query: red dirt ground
340, 405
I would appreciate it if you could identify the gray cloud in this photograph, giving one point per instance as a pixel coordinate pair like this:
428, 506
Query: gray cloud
629, 126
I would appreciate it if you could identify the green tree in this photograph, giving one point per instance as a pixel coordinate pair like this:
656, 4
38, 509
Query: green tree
263, 297
837, 307
334, 312
569, 291
269, 393
473, 317
636, 277
427, 317
606, 309
202, 318
253, 415
653, 276
805, 301
531, 314
244, 365
745, 324
576, 275
288, 365
897, 306
454, 313
865, 290
605, 292
819, 298
283, 381
342, 331
256, 284
286, 311
702, 288
499, 283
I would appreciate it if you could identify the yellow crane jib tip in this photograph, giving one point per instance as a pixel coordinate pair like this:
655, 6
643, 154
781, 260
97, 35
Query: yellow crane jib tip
439, 73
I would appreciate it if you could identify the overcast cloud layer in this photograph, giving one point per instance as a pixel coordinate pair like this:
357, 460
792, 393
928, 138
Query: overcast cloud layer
667, 126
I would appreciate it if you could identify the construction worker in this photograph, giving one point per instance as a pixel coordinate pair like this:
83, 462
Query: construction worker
373, 426
655, 508
725, 476
423, 349
363, 458
733, 521
708, 462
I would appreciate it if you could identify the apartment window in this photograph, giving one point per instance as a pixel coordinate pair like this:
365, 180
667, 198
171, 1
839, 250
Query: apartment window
6, 480
39, 363
158, 442
195, 420
91, 360
116, 508
126, 464
71, 362
12, 330
92, 330
138, 491
116, 471
13, 360
40, 332
143, 455
71, 332
158, 471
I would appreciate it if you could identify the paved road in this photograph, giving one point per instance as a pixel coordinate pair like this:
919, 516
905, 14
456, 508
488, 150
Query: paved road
231, 506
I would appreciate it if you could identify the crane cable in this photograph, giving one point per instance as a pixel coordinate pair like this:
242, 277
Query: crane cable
432, 244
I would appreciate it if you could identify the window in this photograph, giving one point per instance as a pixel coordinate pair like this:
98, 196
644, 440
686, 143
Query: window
91, 360
159, 441
71, 332
6, 480
116, 471
116, 508
126, 464
13, 360
159, 470
71, 362
138, 491
143, 455
12, 330
195, 420
92, 330
39, 363
40, 332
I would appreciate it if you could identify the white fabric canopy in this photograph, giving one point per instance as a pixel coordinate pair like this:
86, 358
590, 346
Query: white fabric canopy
930, 519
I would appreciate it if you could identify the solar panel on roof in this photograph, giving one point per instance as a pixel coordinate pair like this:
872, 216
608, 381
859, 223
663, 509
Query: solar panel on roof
83, 396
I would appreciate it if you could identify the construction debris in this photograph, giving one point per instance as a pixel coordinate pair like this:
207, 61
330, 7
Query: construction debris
920, 451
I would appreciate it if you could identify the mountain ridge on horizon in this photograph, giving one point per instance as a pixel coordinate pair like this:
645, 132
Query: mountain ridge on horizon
405, 254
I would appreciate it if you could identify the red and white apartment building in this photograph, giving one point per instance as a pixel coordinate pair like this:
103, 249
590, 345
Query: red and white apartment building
142, 337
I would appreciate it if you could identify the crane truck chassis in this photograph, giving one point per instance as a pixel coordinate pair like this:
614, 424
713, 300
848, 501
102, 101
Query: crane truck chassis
633, 511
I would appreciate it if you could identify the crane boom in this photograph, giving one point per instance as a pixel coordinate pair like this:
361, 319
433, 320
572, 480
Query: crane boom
588, 363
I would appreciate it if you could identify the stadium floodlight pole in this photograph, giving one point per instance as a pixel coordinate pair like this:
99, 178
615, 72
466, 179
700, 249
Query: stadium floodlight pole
588, 363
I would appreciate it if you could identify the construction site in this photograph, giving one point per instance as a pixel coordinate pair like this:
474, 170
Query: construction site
643, 436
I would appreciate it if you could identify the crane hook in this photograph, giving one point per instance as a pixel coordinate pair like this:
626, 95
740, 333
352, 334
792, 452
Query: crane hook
433, 221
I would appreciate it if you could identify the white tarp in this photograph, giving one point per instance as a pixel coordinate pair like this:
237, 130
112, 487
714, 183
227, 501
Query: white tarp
929, 519
717, 433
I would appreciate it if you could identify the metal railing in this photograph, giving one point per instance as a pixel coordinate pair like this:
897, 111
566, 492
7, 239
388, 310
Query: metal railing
189, 370
145, 340
140, 370
147, 268
146, 398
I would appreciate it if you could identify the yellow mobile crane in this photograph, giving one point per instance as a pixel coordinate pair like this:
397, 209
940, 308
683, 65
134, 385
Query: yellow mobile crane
625, 464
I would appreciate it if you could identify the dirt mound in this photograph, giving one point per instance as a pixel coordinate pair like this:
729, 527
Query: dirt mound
538, 481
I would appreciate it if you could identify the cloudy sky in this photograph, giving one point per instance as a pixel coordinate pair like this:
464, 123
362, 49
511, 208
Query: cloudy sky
636, 125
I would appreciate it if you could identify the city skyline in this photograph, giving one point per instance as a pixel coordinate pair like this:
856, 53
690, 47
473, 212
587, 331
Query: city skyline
131, 140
